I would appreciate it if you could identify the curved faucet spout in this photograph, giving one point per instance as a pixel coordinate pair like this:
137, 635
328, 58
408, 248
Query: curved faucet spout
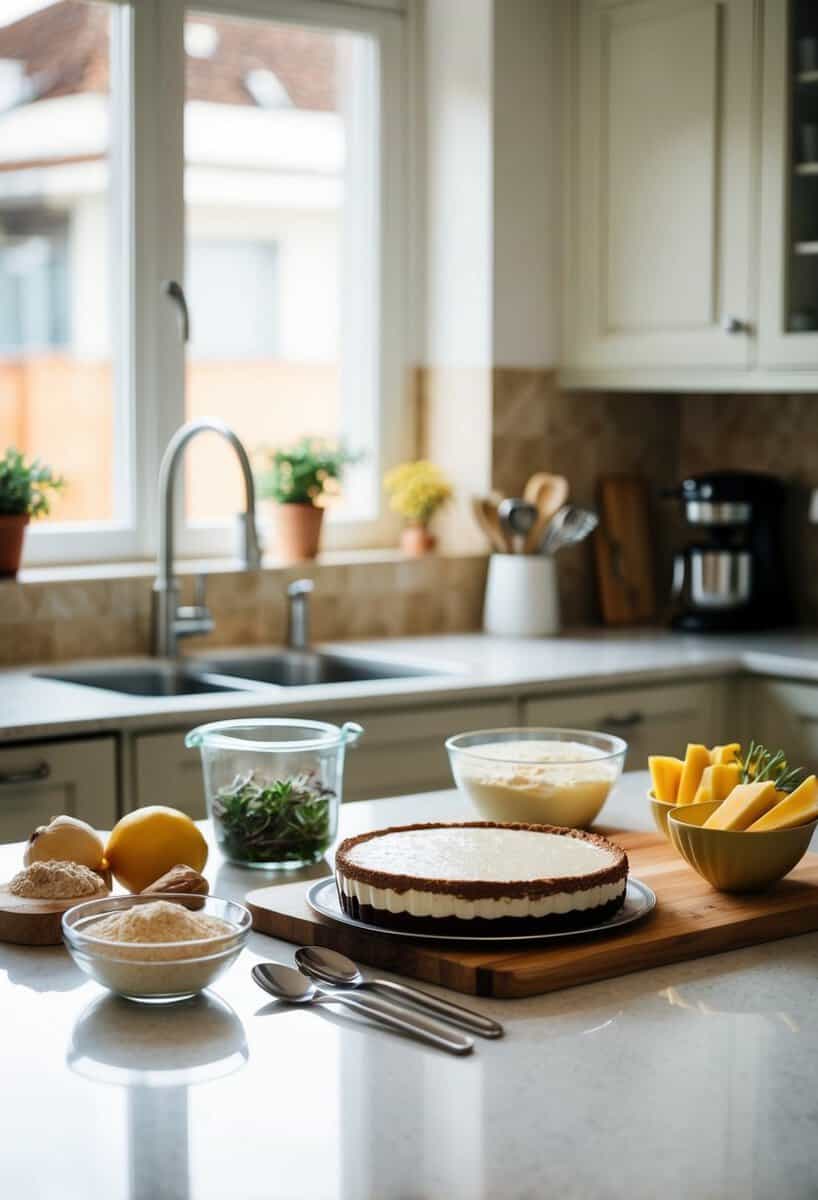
165, 587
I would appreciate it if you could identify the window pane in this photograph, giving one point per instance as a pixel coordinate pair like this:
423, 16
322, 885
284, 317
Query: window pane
279, 134
56, 301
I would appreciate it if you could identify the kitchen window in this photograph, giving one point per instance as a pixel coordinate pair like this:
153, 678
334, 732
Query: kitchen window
249, 150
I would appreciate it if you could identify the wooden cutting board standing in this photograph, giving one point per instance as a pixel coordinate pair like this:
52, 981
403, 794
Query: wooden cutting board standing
622, 546
691, 920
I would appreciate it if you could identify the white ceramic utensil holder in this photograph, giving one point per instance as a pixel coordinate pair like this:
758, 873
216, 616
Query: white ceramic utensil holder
521, 596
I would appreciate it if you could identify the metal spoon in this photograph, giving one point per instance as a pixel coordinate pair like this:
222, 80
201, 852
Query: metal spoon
569, 525
331, 967
285, 983
518, 518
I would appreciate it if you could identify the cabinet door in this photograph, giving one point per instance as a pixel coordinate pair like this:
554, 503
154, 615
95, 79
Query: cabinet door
403, 751
43, 779
783, 714
165, 772
789, 193
659, 720
663, 196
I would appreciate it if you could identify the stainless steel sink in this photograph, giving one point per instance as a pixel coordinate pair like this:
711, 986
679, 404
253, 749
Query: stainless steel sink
150, 679
297, 668
231, 673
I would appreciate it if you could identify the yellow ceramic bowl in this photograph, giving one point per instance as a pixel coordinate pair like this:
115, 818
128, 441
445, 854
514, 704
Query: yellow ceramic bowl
735, 861
661, 810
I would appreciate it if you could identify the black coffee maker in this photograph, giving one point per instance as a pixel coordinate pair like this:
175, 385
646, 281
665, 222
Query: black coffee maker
732, 577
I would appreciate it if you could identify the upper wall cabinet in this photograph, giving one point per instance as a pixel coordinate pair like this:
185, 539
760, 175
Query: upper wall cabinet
669, 121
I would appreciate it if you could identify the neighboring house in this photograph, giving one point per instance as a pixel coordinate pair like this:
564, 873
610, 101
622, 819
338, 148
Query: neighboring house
264, 148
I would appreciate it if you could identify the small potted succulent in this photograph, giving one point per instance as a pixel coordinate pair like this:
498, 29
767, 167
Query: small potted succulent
24, 494
417, 491
300, 480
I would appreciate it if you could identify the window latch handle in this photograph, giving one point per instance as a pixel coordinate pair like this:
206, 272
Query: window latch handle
175, 292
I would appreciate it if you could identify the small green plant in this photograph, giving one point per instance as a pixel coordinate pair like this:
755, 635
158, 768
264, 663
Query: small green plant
303, 473
25, 486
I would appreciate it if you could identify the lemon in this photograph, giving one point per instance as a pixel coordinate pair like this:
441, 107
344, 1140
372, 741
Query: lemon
149, 841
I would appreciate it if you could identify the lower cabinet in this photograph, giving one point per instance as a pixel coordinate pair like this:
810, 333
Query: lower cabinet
655, 720
43, 779
165, 772
401, 751
783, 715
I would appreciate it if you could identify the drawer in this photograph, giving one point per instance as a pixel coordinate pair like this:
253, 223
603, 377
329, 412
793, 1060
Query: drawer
657, 720
43, 779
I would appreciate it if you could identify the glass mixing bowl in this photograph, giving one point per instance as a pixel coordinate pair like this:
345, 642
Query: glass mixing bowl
155, 972
273, 786
539, 776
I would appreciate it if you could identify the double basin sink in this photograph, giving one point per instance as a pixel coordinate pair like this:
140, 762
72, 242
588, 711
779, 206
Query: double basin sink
238, 673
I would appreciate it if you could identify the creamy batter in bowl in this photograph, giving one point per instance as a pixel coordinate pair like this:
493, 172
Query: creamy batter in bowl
537, 775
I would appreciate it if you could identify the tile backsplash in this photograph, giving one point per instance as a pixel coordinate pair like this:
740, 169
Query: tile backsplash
371, 594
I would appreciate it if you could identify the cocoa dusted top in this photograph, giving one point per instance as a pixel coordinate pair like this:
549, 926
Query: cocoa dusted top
474, 863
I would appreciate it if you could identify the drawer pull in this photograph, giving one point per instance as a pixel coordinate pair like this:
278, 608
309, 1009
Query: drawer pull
626, 721
33, 775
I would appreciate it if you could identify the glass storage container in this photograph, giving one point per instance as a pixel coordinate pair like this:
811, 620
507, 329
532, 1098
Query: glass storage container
273, 787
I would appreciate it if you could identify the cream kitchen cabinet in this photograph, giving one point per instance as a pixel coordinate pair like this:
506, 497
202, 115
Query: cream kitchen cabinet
663, 102
652, 720
42, 779
783, 713
690, 249
401, 751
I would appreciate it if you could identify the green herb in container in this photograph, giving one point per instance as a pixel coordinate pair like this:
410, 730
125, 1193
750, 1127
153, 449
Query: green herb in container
273, 787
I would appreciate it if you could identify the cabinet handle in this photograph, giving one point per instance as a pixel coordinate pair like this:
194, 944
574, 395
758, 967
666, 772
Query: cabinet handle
41, 771
626, 721
733, 325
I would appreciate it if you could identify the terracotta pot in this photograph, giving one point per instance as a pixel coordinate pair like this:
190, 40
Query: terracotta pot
416, 540
12, 532
298, 528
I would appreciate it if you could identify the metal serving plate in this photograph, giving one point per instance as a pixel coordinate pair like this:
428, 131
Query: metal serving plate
322, 898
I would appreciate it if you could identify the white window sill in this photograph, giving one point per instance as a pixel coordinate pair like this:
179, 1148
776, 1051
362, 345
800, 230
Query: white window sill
80, 572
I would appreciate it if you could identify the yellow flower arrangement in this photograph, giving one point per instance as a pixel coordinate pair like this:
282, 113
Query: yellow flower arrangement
417, 490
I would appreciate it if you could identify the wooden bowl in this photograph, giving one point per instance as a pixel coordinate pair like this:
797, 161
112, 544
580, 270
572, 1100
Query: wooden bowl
735, 861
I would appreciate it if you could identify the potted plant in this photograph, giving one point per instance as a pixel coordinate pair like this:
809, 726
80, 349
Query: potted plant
24, 494
299, 481
417, 491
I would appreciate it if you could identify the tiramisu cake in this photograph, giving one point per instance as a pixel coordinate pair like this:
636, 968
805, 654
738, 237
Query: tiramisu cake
480, 877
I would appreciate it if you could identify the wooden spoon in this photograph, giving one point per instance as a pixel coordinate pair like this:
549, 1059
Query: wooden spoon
485, 513
548, 493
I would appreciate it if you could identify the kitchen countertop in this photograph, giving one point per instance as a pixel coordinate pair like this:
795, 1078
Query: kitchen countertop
691, 1080
33, 707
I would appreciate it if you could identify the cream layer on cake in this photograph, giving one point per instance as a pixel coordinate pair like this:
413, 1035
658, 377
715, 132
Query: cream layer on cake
486, 854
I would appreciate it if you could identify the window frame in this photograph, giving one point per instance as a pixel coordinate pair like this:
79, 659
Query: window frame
147, 98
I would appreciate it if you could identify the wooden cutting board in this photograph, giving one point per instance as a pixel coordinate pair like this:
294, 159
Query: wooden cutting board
690, 920
28, 922
622, 547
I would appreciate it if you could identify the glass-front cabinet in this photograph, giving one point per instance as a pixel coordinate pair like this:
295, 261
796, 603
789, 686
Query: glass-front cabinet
788, 282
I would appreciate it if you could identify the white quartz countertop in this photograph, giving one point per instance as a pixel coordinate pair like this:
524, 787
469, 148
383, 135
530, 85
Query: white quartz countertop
696, 1080
466, 665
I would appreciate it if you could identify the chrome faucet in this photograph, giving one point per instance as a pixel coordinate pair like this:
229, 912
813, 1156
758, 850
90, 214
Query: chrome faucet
298, 614
171, 620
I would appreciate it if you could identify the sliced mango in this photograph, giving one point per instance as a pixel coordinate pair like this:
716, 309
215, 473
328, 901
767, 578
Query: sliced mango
725, 754
745, 804
697, 758
718, 781
797, 808
665, 773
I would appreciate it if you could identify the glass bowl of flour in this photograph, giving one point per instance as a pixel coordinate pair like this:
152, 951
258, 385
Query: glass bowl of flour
539, 776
